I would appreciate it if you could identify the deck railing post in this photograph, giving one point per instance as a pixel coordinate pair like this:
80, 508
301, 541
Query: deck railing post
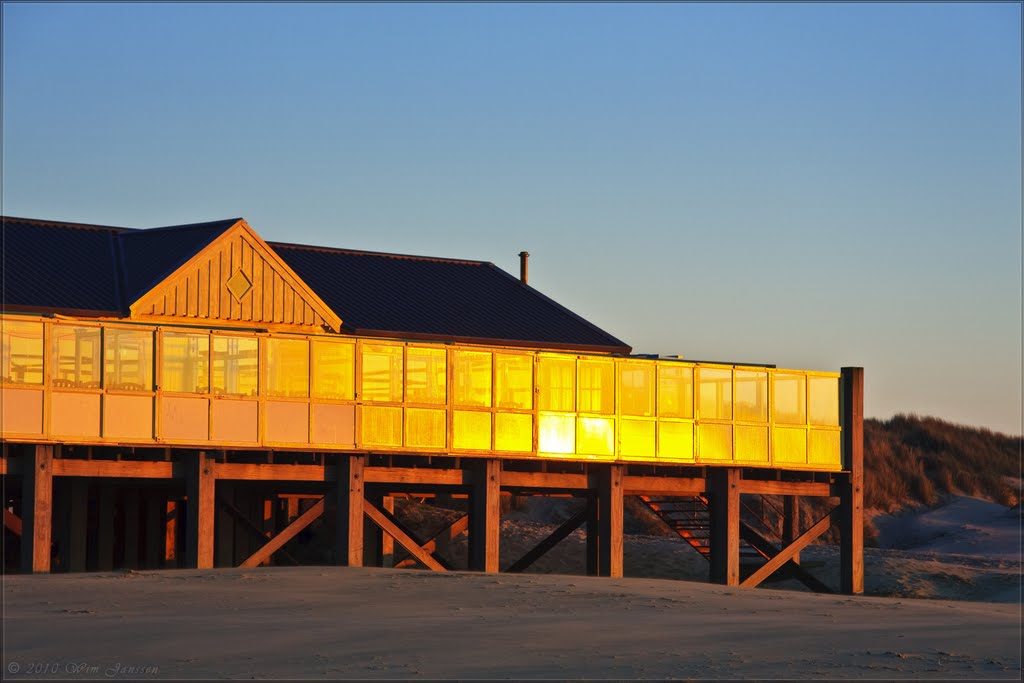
851, 524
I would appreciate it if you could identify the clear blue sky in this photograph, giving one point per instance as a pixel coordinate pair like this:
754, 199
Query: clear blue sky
812, 185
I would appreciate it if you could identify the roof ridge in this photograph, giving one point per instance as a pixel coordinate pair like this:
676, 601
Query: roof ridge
386, 254
188, 226
66, 224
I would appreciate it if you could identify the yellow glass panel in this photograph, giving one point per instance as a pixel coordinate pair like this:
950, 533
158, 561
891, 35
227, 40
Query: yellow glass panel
334, 373
425, 428
471, 378
636, 438
22, 351
596, 386
381, 425
235, 367
824, 401
675, 391
426, 375
513, 432
185, 362
556, 384
287, 367
715, 393
513, 377
556, 433
790, 399
751, 396
128, 360
790, 446
76, 356
715, 442
752, 444
636, 389
381, 373
675, 441
595, 435
471, 430
824, 449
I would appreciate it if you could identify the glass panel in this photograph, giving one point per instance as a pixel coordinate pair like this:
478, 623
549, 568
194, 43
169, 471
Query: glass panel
790, 399
513, 432
287, 367
334, 370
76, 354
675, 441
235, 366
128, 360
751, 443
381, 374
751, 396
636, 438
425, 428
715, 442
715, 394
381, 425
824, 401
471, 378
790, 445
513, 377
426, 375
824, 448
556, 434
185, 364
675, 391
556, 383
471, 430
595, 435
22, 351
596, 387
636, 389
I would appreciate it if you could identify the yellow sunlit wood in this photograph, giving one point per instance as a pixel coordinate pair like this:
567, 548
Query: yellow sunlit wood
637, 438
556, 433
595, 436
77, 352
675, 390
22, 351
513, 381
426, 375
471, 378
824, 449
381, 373
790, 445
752, 444
471, 430
715, 442
381, 426
675, 441
425, 428
334, 370
513, 432
287, 368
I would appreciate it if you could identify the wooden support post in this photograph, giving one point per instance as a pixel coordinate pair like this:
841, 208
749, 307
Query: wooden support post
387, 543
154, 530
201, 486
610, 513
373, 537
725, 525
485, 516
37, 509
131, 528
851, 521
105, 528
224, 536
171, 534
349, 512
791, 522
78, 524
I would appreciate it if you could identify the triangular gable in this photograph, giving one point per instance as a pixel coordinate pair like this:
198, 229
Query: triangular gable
237, 277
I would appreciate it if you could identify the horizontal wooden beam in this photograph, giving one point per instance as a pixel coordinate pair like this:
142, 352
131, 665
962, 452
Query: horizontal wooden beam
543, 480
785, 488
663, 486
287, 534
241, 471
127, 469
787, 553
415, 475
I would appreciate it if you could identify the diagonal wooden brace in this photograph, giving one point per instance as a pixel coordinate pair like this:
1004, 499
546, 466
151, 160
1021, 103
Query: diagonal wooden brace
287, 534
406, 541
451, 531
249, 525
787, 553
548, 543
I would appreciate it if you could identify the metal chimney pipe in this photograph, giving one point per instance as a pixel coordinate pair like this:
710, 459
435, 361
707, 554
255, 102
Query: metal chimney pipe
524, 266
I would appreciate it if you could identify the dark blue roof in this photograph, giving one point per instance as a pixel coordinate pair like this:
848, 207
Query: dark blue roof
71, 267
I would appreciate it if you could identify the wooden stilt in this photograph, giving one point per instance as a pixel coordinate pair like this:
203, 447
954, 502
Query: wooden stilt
201, 487
851, 520
387, 543
349, 512
78, 524
171, 534
593, 533
131, 528
725, 525
791, 522
154, 530
610, 512
105, 528
485, 516
37, 509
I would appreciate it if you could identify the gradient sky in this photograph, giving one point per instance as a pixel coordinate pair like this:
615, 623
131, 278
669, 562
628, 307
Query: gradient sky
811, 185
